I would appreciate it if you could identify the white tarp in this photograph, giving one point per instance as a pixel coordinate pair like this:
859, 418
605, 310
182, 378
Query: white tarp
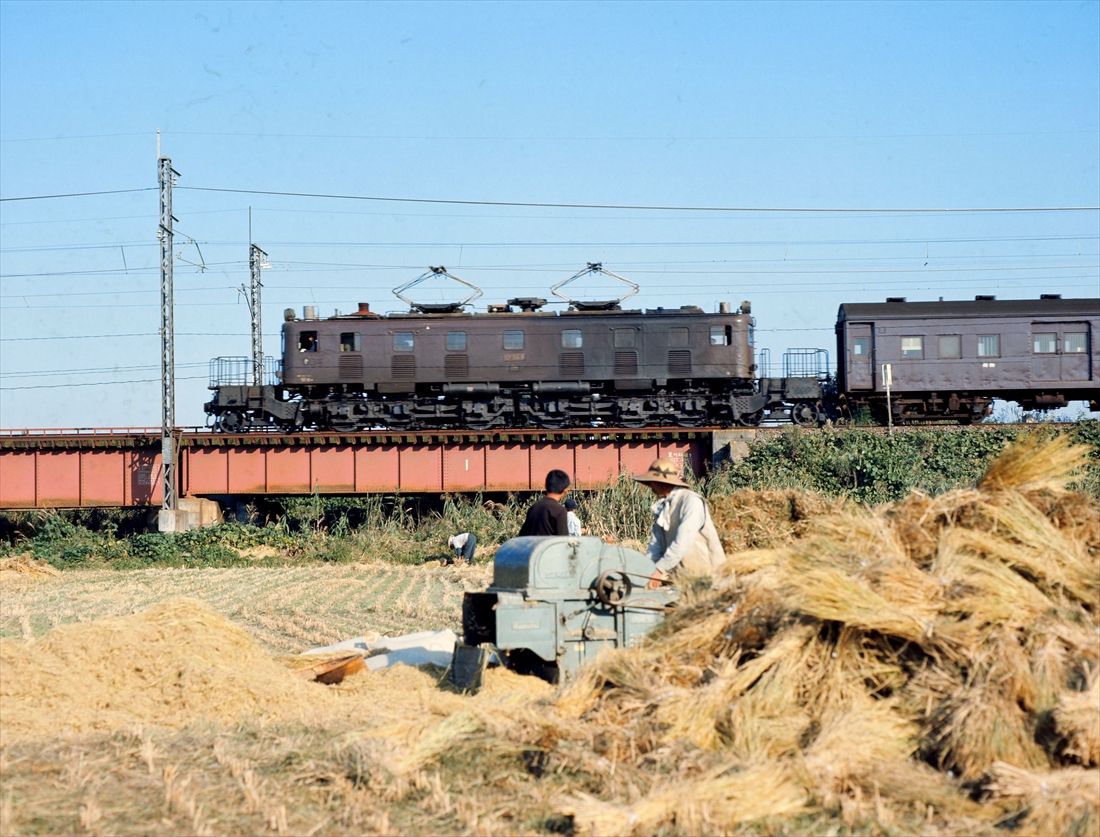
423, 648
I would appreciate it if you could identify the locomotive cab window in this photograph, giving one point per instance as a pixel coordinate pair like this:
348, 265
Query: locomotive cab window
513, 340
912, 348
1044, 344
307, 341
861, 347
950, 346
720, 335
456, 341
572, 338
350, 342
1074, 342
403, 341
625, 338
989, 345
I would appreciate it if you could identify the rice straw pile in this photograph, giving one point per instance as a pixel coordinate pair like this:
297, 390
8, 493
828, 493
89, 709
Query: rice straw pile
171, 665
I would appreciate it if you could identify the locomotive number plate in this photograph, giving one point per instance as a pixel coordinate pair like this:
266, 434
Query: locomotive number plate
515, 356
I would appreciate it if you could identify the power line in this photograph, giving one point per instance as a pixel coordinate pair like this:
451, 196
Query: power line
644, 207
79, 194
99, 383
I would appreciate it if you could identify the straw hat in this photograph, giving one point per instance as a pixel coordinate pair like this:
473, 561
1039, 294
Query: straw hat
662, 470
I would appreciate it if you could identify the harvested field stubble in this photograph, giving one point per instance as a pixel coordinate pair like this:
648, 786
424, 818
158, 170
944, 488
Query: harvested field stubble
926, 667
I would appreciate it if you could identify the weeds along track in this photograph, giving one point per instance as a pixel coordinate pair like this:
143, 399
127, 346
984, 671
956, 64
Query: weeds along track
285, 608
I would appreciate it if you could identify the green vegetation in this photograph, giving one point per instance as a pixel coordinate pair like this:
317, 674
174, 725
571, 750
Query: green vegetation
867, 466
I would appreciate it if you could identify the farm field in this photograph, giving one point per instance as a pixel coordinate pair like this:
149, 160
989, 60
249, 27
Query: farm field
287, 609
924, 667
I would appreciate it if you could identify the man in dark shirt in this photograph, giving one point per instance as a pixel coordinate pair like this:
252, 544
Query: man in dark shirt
548, 515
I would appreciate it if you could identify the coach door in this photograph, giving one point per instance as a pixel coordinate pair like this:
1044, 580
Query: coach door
1075, 351
861, 361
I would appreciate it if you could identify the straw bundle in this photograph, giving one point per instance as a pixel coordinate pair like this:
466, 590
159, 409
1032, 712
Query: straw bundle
715, 801
26, 566
1077, 719
1056, 802
1035, 464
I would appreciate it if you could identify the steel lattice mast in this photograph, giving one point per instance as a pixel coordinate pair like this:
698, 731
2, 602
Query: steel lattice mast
166, 174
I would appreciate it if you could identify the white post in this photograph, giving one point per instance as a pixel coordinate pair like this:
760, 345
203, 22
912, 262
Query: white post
888, 380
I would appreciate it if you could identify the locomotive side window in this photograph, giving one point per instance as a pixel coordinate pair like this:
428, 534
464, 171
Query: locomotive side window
861, 346
718, 336
572, 338
677, 337
1044, 344
1074, 342
513, 340
350, 342
456, 341
912, 348
950, 346
307, 341
403, 341
989, 345
625, 338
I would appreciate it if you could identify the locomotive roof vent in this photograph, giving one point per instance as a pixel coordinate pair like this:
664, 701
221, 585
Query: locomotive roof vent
527, 303
1050, 296
984, 298
595, 269
436, 307
895, 299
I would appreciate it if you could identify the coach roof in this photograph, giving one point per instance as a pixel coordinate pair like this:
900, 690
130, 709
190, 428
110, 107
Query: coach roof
973, 309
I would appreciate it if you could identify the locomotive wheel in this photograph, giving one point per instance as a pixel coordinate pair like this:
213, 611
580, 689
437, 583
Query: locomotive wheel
804, 414
751, 419
231, 422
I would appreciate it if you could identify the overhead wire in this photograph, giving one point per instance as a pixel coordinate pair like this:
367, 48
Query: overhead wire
638, 207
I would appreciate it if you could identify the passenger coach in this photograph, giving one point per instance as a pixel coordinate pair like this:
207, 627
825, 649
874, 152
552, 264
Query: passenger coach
949, 360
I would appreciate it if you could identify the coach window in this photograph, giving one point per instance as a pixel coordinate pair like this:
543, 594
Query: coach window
861, 347
950, 346
718, 336
513, 340
350, 342
912, 348
456, 341
1073, 342
1044, 344
307, 341
989, 345
677, 337
403, 341
572, 338
624, 338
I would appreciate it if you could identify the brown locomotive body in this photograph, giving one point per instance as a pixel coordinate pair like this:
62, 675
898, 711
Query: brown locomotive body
949, 360
506, 368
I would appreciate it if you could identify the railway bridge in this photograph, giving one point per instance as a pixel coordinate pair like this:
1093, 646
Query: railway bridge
121, 467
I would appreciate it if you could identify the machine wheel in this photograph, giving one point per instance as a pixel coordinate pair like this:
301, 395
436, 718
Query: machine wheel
613, 587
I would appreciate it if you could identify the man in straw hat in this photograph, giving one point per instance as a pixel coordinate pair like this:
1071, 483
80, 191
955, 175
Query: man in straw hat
684, 539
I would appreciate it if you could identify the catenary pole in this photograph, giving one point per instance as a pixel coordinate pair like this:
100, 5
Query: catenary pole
256, 258
165, 175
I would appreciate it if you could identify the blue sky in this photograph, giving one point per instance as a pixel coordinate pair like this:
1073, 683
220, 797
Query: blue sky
820, 105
